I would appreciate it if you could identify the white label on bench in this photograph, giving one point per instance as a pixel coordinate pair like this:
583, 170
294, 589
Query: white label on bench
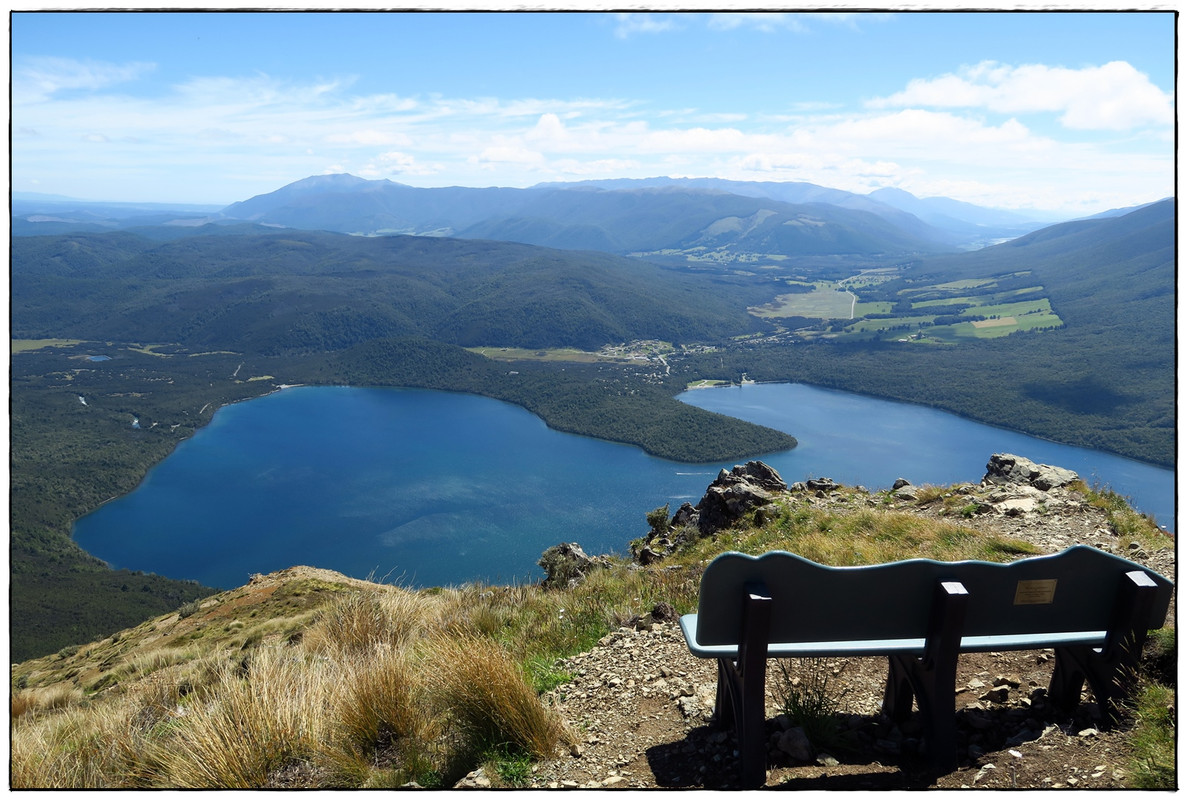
1035, 593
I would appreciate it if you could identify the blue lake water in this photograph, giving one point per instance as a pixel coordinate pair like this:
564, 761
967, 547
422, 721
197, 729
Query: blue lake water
433, 488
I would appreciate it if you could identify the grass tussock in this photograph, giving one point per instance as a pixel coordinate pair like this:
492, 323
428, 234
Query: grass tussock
362, 621
810, 698
262, 716
488, 699
34, 701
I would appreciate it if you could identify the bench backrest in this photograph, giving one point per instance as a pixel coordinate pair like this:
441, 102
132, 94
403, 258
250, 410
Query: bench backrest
1074, 590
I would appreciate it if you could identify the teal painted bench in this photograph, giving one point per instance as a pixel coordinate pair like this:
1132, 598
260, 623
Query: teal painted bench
1094, 609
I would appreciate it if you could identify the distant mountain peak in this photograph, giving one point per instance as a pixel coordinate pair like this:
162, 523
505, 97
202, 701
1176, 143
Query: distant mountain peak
337, 180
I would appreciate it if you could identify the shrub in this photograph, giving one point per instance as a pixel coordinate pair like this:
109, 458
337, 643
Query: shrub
189, 609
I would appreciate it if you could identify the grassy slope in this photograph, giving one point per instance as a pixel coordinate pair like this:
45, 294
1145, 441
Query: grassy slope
141, 708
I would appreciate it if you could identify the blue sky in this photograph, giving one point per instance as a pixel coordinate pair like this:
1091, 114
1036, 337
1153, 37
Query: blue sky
1067, 112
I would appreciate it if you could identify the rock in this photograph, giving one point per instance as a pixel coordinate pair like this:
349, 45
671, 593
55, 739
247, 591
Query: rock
822, 485
685, 515
648, 556
998, 694
664, 612
475, 780
733, 494
794, 743
900, 483
566, 564
907, 492
1005, 468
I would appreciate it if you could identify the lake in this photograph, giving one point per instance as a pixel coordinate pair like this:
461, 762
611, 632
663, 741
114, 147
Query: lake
434, 488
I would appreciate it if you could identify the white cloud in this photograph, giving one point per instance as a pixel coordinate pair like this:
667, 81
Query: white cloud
38, 78
760, 20
1113, 96
508, 154
631, 24
935, 135
796, 22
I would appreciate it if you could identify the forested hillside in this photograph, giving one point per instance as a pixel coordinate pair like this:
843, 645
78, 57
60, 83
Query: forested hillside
272, 292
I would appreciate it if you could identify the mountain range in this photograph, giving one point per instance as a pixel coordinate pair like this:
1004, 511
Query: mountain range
672, 219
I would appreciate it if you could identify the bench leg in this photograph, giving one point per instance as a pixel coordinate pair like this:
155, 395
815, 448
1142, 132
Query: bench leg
931, 680
1067, 679
1110, 672
741, 691
899, 696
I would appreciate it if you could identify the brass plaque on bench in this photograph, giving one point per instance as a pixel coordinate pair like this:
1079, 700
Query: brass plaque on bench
1035, 593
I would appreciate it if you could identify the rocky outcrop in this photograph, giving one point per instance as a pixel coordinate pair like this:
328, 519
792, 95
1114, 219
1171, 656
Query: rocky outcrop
729, 498
566, 564
1020, 486
734, 494
1005, 468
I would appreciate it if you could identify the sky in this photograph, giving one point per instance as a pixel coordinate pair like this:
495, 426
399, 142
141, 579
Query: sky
1054, 111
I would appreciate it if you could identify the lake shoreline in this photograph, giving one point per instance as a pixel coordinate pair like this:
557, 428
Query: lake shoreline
390, 480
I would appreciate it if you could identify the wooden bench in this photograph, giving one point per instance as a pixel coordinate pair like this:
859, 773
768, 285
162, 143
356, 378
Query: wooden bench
1094, 609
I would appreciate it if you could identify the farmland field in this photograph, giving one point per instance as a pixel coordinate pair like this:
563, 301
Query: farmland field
824, 302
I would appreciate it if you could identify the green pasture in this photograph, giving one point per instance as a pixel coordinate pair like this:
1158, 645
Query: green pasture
889, 324
823, 303
945, 301
996, 328
967, 283
29, 345
1041, 306
527, 354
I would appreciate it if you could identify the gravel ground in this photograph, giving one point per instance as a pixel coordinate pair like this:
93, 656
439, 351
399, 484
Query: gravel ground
640, 707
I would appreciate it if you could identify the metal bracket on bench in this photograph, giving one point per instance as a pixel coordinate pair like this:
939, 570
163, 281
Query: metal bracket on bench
932, 678
741, 686
1110, 671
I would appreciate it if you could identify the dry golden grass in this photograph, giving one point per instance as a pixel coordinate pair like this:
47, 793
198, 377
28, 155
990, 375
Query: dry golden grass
365, 619
851, 537
379, 713
32, 701
98, 746
259, 719
487, 699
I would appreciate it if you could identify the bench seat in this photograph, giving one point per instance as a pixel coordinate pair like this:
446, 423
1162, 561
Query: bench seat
886, 647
